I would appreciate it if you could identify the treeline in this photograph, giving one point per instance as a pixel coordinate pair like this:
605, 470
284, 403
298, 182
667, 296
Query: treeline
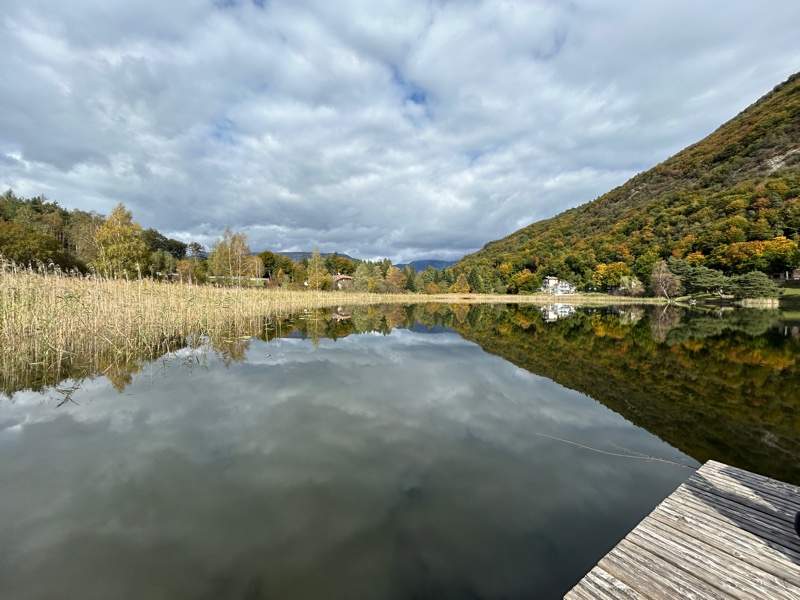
730, 203
380, 277
39, 230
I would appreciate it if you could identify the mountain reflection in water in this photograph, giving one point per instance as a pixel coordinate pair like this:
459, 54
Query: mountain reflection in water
380, 452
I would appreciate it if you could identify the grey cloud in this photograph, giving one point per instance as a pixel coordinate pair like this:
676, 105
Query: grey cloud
378, 128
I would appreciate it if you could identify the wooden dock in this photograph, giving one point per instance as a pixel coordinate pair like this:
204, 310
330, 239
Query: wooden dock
725, 533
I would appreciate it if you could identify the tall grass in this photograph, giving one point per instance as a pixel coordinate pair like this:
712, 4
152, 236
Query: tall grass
55, 325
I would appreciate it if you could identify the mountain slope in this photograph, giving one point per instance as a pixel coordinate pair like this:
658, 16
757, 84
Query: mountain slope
421, 265
729, 202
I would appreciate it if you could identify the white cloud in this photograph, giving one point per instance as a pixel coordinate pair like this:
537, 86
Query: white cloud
407, 130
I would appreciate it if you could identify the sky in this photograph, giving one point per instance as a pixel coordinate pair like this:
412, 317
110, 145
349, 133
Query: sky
380, 129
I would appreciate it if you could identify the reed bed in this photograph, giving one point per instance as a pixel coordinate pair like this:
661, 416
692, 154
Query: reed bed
55, 325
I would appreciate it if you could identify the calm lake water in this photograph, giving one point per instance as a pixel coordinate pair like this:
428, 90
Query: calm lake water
378, 453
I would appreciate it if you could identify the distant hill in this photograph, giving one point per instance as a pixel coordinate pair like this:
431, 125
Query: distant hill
421, 265
729, 202
298, 256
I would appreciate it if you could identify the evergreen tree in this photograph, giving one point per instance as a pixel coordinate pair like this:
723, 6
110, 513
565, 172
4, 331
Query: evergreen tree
754, 285
703, 279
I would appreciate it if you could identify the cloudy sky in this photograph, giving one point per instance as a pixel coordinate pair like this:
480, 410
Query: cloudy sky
402, 129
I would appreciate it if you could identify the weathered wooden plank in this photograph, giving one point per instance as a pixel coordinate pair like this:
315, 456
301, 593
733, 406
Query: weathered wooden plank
738, 543
777, 488
580, 591
754, 491
653, 576
738, 533
614, 587
748, 503
673, 556
599, 585
756, 522
705, 562
724, 534
637, 576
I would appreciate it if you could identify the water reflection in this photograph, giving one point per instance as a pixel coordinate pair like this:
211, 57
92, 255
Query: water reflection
719, 385
380, 452
408, 465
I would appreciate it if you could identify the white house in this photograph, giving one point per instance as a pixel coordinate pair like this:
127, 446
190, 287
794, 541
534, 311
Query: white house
556, 286
554, 312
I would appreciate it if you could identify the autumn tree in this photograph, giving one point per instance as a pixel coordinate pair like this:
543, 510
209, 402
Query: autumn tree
342, 265
230, 257
121, 250
395, 280
524, 281
191, 271
316, 272
276, 265
461, 285
609, 276
81, 230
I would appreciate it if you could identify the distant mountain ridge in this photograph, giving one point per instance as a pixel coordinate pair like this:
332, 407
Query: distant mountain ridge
298, 256
729, 202
421, 265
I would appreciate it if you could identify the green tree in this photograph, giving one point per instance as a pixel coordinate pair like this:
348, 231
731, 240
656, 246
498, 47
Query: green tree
362, 279
754, 285
121, 250
162, 263
411, 276
703, 279
276, 264
341, 265
197, 251
157, 241
24, 245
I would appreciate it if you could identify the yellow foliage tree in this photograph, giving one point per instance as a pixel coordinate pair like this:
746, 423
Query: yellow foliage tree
121, 249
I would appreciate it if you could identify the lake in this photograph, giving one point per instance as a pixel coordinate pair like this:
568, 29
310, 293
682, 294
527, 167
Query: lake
385, 452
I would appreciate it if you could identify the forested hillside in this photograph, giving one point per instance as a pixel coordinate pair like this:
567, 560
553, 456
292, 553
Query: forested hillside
729, 202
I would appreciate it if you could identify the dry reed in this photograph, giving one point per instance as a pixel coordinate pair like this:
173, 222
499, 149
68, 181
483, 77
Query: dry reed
55, 325
52, 322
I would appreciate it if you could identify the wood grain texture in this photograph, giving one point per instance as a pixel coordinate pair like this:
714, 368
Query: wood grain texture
724, 534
